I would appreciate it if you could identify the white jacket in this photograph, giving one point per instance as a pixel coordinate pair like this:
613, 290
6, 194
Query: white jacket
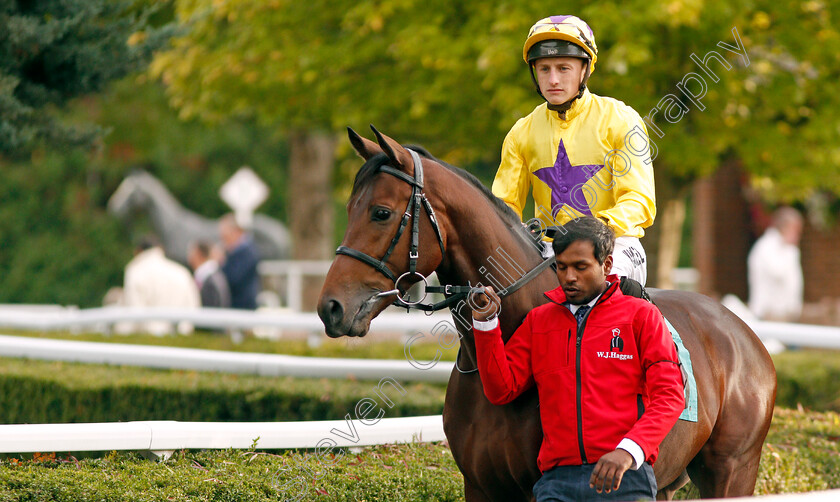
775, 278
153, 280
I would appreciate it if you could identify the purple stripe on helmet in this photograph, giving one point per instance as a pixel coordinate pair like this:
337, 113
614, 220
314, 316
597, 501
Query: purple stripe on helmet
559, 19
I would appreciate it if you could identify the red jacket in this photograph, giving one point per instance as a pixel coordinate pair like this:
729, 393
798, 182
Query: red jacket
616, 377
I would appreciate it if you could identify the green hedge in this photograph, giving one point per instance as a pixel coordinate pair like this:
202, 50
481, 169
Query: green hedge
406, 473
56, 392
809, 378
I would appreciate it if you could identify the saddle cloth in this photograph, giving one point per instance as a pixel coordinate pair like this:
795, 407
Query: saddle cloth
689, 414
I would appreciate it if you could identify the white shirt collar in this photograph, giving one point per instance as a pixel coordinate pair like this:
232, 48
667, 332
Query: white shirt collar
574, 308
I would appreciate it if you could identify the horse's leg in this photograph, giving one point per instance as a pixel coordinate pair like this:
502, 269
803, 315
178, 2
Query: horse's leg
727, 465
720, 475
473, 494
667, 492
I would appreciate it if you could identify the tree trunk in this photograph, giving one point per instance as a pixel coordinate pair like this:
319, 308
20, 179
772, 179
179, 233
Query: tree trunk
311, 212
722, 231
671, 223
663, 239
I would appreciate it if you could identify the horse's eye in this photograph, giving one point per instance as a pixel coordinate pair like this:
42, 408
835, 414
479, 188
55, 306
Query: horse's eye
380, 214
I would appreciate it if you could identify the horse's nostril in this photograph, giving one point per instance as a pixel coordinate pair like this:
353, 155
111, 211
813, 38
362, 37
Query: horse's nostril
331, 312
336, 310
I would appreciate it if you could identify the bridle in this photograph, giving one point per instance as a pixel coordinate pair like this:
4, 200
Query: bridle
412, 212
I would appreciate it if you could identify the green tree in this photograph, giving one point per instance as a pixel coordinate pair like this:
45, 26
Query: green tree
54, 50
311, 68
450, 75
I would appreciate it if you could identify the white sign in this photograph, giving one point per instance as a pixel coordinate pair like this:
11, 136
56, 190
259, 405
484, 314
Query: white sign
244, 192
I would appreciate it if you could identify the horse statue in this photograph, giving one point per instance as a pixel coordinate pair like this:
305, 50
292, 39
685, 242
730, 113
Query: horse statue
496, 447
177, 226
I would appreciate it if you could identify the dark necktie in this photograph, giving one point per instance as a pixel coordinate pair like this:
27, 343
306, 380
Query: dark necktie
580, 315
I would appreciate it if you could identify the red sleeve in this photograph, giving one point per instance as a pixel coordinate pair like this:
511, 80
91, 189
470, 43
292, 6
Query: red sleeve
663, 382
505, 369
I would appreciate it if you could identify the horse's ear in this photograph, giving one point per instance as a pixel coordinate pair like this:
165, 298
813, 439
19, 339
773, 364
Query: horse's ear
398, 155
365, 147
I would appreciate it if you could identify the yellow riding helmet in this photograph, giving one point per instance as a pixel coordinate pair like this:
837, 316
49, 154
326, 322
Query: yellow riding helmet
570, 29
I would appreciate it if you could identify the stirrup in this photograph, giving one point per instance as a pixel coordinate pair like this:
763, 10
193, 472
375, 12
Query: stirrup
632, 287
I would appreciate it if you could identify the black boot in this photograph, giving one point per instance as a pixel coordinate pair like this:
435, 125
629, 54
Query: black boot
632, 287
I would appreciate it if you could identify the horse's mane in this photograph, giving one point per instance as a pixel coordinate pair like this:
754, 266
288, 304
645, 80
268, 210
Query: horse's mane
371, 167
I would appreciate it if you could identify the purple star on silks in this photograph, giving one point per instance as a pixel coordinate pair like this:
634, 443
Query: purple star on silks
563, 177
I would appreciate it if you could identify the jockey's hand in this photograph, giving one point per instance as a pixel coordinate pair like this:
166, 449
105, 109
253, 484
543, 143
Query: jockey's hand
607, 474
486, 305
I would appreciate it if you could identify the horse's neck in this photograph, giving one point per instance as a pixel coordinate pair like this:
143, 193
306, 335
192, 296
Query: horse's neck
491, 259
491, 253
165, 211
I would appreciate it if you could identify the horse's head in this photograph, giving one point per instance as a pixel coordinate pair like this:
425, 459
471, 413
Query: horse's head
129, 196
374, 257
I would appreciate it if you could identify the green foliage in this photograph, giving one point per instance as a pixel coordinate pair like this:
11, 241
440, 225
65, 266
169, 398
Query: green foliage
801, 454
55, 392
415, 472
60, 245
451, 75
809, 378
54, 50
321, 66
191, 158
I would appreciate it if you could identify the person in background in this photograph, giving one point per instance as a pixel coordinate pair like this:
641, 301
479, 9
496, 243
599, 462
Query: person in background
153, 280
774, 269
240, 265
211, 281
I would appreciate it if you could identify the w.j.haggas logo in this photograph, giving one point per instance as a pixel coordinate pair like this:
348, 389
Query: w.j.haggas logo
616, 344
616, 348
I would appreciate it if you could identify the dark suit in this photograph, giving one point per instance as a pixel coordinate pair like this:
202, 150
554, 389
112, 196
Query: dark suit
215, 291
240, 270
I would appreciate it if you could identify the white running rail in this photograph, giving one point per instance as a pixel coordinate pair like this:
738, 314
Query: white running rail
160, 436
150, 356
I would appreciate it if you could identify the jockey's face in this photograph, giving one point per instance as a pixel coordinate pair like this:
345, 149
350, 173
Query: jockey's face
559, 78
580, 274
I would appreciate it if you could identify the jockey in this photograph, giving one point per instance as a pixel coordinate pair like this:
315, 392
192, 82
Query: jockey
583, 154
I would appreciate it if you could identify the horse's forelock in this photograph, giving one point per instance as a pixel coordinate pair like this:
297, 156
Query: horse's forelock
368, 171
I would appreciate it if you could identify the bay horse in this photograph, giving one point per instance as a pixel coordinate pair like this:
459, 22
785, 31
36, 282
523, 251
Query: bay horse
496, 447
